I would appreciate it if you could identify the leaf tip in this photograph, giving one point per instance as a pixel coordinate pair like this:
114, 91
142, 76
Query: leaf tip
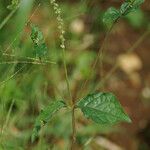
127, 119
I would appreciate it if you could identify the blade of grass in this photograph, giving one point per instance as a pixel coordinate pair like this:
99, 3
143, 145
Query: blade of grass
4, 22
7, 117
26, 62
12, 76
30, 58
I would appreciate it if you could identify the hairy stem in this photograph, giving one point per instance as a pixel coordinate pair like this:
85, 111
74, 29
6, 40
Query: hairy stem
60, 21
73, 129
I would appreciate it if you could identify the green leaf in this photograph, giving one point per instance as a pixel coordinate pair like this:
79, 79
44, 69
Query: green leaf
36, 34
125, 8
45, 116
130, 6
110, 16
137, 3
40, 50
14, 4
103, 108
38, 41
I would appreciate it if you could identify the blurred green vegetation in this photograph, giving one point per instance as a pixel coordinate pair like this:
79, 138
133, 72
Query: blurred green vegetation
26, 88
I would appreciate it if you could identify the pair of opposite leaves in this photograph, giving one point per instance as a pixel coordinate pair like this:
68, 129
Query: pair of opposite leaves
102, 108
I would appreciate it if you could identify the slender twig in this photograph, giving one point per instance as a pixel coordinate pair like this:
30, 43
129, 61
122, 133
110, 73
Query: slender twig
99, 56
30, 58
25, 62
12, 55
115, 67
139, 41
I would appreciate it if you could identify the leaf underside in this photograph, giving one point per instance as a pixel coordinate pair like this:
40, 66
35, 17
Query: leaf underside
103, 108
45, 116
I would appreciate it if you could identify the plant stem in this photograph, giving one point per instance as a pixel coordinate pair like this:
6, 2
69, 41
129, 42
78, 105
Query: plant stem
60, 21
66, 76
73, 129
